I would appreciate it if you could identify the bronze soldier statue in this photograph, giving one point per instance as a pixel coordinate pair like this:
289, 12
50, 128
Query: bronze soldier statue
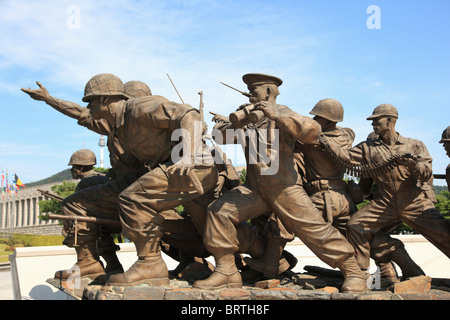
82, 162
145, 129
401, 169
324, 180
100, 200
272, 187
337, 200
445, 140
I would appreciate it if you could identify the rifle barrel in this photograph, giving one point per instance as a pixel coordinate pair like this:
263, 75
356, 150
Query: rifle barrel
85, 219
51, 195
244, 93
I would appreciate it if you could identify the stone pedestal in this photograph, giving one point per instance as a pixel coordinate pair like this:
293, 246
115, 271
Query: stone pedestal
316, 284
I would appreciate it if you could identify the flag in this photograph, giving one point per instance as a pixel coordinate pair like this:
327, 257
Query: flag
3, 184
19, 183
7, 183
13, 186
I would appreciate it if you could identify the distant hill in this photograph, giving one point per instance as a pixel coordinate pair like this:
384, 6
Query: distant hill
60, 176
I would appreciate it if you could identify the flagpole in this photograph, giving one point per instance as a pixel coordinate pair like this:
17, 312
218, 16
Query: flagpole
3, 225
13, 206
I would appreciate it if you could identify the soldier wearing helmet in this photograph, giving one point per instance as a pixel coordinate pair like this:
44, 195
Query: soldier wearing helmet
401, 190
324, 179
135, 89
276, 191
102, 198
445, 140
82, 162
337, 199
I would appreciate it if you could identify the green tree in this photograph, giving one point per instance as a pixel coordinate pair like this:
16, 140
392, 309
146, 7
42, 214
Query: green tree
65, 189
243, 175
99, 169
443, 203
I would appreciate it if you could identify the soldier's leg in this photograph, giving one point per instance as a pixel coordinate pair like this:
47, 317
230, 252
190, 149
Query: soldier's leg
298, 214
364, 224
424, 218
275, 259
220, 238
97, 201
143, 207
385, 249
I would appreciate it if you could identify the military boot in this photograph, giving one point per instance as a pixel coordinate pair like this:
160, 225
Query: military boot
107, 250
88, 263
150, 268
269, 263
388, 272
409, 268
257, 248
225, 275
355, 279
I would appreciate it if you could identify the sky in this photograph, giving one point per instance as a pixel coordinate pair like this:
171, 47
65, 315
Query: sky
362, 53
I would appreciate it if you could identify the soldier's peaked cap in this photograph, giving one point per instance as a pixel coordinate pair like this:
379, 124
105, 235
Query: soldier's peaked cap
384, 110
254, 79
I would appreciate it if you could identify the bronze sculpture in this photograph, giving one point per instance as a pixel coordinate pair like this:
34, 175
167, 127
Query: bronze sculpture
277, 192
82, 162
401, 169
294, 187
100, 200
445, 140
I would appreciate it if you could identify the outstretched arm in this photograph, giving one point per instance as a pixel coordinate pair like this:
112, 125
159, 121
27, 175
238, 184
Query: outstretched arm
68, 108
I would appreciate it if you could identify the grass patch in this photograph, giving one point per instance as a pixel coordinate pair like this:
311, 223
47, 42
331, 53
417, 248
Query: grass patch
4, 254
7, 246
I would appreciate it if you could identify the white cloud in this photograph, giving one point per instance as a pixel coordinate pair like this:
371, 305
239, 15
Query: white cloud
200, 43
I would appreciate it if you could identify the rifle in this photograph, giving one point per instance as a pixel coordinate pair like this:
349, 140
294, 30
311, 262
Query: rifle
243, 93
438, 176
175, 89
201, 105
96, 220
249, 111
75, 220
50, 195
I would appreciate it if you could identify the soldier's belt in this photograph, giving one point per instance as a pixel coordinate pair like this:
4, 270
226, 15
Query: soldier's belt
325, 185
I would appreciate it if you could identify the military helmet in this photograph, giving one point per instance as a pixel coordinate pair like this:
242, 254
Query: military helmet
104, 84
384, 110
136, 89
83, 157
445, 135
330, 109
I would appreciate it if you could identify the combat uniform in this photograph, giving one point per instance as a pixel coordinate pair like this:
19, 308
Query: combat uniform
401, 195
324, 179
101, 200
280, 193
